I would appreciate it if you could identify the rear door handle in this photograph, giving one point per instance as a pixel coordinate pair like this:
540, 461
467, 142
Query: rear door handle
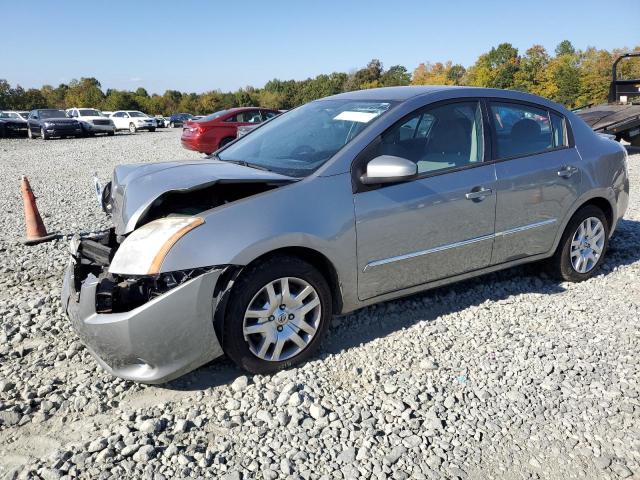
478, 193
567, 171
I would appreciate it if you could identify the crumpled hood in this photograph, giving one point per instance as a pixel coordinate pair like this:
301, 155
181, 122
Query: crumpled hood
134, 188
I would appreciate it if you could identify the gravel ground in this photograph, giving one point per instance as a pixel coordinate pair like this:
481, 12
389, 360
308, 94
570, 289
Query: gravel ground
511, 375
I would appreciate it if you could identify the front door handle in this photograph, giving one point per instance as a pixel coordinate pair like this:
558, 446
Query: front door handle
478, 193
567, 170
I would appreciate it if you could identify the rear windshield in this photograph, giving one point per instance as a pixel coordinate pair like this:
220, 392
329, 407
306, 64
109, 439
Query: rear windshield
212, 116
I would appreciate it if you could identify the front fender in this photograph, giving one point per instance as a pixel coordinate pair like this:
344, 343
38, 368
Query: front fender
316, 213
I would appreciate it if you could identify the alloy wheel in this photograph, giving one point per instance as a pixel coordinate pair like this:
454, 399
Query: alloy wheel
282, 319
587, 245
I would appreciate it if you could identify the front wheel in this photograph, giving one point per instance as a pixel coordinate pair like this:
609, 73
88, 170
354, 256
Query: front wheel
43, 134
132, 128
152, 129
30, 134
171, 125
111, 134
582, 246
278, 312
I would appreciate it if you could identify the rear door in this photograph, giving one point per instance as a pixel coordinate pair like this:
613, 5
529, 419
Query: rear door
539, 176
439, 225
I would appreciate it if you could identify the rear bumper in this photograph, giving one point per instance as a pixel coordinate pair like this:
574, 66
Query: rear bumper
193, 143
155, 342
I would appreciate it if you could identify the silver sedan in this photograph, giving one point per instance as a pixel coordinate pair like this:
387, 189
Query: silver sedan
338, 204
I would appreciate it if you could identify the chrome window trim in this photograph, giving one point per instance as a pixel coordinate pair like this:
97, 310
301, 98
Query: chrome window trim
463, 243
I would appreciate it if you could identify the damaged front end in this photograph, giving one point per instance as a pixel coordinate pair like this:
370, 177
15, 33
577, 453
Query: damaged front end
117, 293
147, 328
140, 320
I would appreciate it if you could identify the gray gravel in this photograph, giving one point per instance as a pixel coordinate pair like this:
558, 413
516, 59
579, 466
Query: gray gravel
512, 375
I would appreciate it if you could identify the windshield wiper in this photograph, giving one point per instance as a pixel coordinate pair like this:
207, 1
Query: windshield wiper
243, 163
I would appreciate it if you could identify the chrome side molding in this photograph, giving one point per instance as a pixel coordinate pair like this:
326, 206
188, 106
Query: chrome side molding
463, 243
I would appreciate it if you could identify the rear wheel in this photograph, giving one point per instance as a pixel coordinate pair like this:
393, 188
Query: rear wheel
583, 245
278, 312
226, 141
132, 128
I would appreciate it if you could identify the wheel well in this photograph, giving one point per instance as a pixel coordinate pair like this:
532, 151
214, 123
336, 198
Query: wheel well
604, 205
318, 260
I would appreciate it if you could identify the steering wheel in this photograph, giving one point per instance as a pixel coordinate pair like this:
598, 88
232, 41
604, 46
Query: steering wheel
302, 150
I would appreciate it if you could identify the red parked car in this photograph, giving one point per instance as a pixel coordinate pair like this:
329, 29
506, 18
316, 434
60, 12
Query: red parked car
208, 134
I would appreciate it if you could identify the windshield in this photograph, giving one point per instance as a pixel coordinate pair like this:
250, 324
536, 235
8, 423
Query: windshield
52, 114
302, 140
136, 114
23, 114
212, 116
89, 112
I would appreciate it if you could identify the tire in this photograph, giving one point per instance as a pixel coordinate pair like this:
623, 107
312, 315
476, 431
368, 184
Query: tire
152, 129
561, 265
30, 134
226, 141
171, 125
111, 134
43, 134
635, 141
132, 128
249, 291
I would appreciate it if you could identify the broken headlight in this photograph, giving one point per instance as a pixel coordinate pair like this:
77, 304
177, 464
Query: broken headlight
116, 293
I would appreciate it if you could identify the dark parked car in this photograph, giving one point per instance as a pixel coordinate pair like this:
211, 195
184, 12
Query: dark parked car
13, 124
216, 130
178, 119
49, 122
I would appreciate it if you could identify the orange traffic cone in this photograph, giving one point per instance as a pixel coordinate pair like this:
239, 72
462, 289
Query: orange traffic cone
36, 232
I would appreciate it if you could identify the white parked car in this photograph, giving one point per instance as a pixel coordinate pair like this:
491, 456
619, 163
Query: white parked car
133, 121
92, 121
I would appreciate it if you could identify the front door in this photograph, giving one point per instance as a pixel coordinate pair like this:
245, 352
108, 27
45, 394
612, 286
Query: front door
438, 225
538, 178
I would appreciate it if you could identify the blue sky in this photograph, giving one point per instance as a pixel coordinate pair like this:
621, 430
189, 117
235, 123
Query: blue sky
197, 46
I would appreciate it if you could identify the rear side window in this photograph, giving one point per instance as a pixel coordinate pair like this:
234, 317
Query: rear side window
559, 130
252, 116
522, 129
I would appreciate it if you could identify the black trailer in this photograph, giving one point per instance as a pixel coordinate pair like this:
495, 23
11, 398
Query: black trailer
621, 116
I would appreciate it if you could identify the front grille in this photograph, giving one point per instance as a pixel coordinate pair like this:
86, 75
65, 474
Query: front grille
102, 122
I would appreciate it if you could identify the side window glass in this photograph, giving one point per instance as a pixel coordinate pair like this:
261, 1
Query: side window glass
234, 119
521, 129
438, 138
559, 131
267, 115
253, 117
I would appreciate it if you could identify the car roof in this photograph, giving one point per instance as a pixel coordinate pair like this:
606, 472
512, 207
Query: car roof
393, 93
402, 94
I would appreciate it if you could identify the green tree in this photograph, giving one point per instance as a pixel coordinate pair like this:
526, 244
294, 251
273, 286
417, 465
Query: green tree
530, 75
397, 75
85, 92
565, 48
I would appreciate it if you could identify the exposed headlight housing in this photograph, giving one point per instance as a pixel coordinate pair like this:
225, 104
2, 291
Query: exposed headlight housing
144, 250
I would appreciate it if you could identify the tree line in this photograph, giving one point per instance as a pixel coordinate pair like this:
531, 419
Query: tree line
568, 76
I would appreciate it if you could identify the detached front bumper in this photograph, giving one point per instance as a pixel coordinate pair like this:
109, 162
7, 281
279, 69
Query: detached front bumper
158, 341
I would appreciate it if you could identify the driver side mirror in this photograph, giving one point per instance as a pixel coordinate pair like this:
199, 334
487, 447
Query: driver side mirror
389, 169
